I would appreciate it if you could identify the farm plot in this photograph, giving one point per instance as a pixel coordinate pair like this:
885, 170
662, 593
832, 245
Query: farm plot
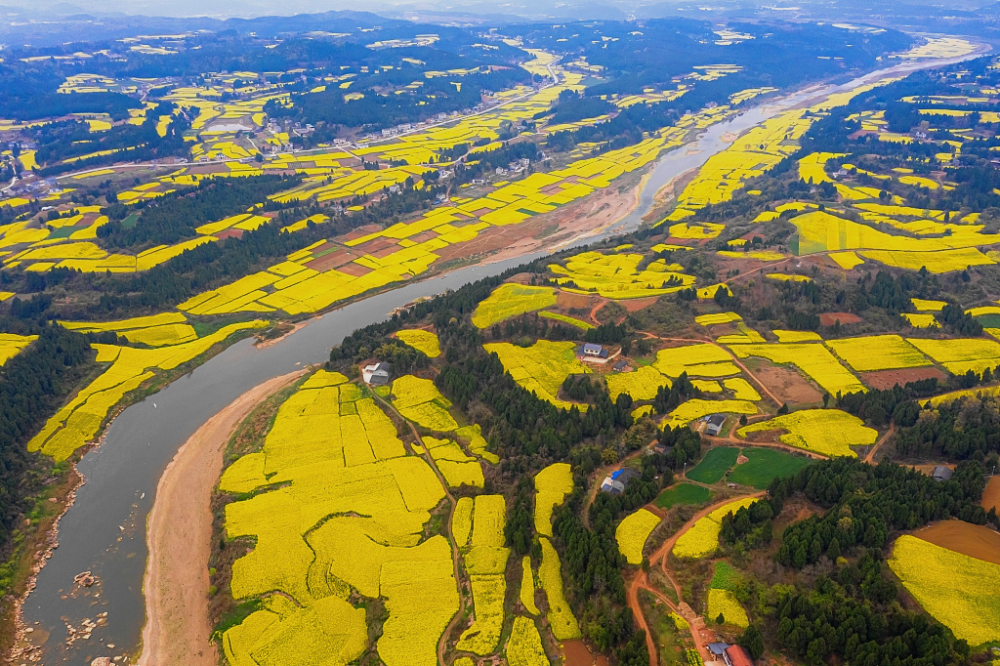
829, 432
552, 485
641, 384
812, 359
702, 538
632, 532
168, 328
338, 522
12, 344
724, 603
961, 355
560, 615
699, 360
527, 593
715, 464
683, 493
524, 647
618, 276
424, 341
878, 352
742, 389
764, 465
79, 421
696, 408
541, 368
457, 468
420, 401
509, 300
959, 591
486, 561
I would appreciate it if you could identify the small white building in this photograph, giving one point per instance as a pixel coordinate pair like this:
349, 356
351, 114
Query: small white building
376, 374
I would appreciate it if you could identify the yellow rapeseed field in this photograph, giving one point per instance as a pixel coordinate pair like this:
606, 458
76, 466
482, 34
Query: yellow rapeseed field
723, 602
812, 359
697, 360
696, 408
618, 276
509, 300
959, 591
524, 647
420, 401
79, 421
11, 345
552, 485
560, 615
541, 368
960, 355
642, 384
878, 352
702, 538
425, 341
742, 389
486, 561
829, 432
527, 593
632, 532
456, 467
347, 512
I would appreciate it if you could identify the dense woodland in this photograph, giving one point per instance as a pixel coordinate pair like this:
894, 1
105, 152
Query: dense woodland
32, 385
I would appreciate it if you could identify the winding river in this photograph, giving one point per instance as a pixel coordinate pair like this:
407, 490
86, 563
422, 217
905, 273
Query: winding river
105, 530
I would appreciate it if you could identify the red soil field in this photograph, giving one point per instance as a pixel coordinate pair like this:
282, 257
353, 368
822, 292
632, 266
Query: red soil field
991, 496
886, 379
828, 318
787, 385
975, 541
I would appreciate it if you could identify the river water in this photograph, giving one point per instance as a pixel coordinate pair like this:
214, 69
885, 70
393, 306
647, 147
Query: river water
105, 530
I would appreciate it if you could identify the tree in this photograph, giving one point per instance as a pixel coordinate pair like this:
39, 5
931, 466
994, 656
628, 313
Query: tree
752, 642
721, 619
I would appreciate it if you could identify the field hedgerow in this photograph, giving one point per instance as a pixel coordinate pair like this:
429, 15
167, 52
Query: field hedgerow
959, 591
632, 533
829, 432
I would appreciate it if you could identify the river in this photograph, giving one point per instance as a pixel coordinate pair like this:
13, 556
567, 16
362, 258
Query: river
105, 530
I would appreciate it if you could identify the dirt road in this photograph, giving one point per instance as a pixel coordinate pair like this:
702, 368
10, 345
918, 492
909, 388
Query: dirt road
179, 534
641, 582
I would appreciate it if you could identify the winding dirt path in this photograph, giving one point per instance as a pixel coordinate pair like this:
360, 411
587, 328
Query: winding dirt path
443, 641
641, 582
179, 535
871, 454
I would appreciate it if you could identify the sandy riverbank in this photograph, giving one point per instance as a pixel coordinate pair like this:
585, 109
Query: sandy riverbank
179, 533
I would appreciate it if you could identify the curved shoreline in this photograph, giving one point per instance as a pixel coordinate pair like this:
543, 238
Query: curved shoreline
179, 533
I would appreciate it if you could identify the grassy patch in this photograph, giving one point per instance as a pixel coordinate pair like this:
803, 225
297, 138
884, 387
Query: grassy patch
765, 465
725, 577
715, 464
683, 493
